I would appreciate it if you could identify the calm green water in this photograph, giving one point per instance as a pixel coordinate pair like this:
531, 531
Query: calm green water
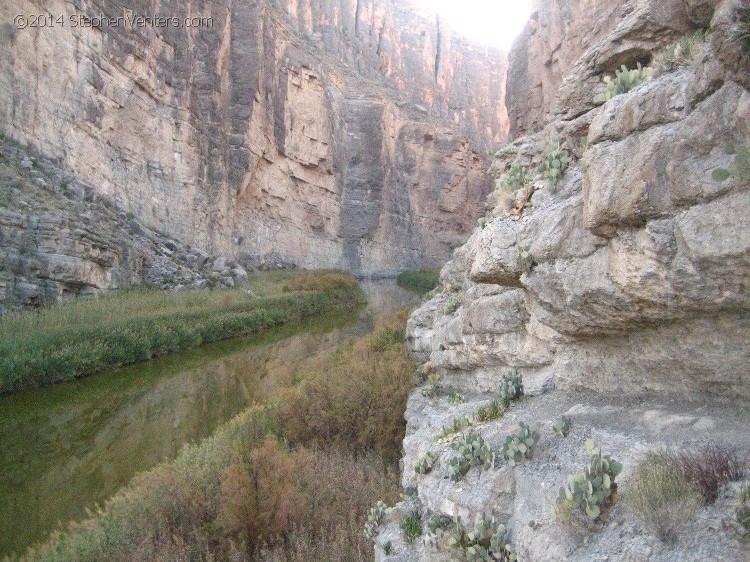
67, 448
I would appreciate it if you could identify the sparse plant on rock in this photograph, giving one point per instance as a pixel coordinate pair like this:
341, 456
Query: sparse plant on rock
517, 177
624, 81
591, 491
492, 411
743, 25
452, 305
525, 259
563, 426
556, 161
519, 446
411, 526
511, 387
375, 518
456, 398
663, 499
743, 511
472, 451
433, 387
456, 426
388, 548
684, 52
425, 463
741, 166
486, 541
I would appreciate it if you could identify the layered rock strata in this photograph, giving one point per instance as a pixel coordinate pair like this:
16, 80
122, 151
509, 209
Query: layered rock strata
345, 134
620, 294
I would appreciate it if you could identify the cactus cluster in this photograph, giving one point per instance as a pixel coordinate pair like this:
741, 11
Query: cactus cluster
590, 491
511, 387
624, 81
472, 451
519, 446
433, 387
556, 161
563, 426
486, 541
517, 177
456, 398
492, 411
456, 426
375, 518
424, 463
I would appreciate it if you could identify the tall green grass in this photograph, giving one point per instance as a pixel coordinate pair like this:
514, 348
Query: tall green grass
289, 480
421, 281
86, 336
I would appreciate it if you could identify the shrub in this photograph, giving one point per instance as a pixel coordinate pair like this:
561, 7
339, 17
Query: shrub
456, 398
563, 426
519, 447
663, 499
485, 541
591, 491
323, 280
375, 517
743, 25
433, 387
624, 81
710, 468
511, 387
525, 259
472, 451
684, 52
517, 177
421, 281
743, 511
424, 463
490, 412
452, 305
411, 526
556, 161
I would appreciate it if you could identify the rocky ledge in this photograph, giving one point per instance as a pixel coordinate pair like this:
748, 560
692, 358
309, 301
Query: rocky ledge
617, 290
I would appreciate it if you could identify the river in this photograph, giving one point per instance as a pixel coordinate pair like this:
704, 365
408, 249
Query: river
67, 448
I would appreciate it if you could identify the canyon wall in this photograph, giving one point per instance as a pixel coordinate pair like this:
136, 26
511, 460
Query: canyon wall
344, 133
619, 294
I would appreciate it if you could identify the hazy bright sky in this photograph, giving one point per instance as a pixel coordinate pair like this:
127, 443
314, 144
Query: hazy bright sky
493, 22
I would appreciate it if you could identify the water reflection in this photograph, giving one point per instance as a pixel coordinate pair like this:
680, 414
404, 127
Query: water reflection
68, 447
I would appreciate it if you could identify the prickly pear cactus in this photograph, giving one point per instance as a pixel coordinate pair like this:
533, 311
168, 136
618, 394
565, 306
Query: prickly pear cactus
425, 463
511, 387
563, 426
375, 518
624, 81
486, 541
472, 451
556, 161
519, 447
590, 491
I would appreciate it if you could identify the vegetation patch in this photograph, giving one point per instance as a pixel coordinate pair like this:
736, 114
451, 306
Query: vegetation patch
517, 177
411, 526
592, 492
519, 447
472, 451
86, 336
486, 540
291, 480
624, 81
421, 281
661, 497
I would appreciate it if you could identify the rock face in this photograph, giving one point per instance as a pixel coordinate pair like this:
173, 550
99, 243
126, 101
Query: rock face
617, 291
59, 239
347, 133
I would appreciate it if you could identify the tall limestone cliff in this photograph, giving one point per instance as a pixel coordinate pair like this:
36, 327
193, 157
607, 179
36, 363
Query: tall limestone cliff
344, 133
619, 294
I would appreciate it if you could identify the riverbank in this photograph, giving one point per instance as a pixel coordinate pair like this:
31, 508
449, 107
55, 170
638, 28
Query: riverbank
86, 336
323, 450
